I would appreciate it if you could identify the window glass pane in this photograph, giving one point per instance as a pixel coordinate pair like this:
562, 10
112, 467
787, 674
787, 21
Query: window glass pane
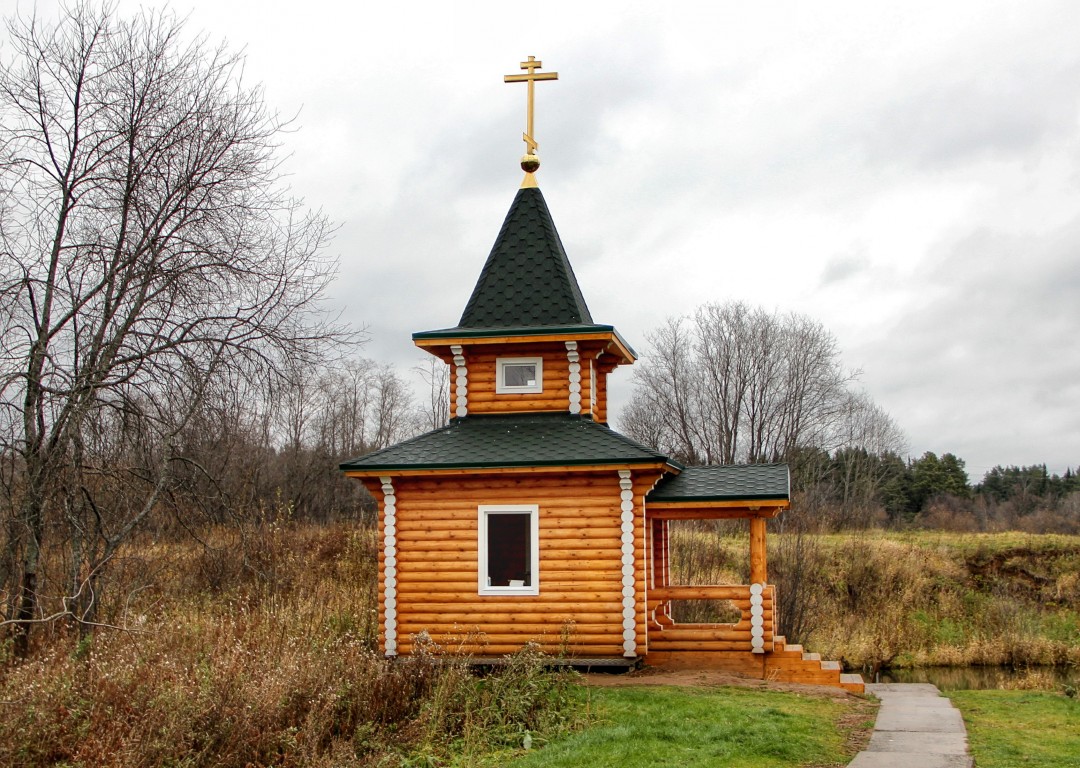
508, 549
519, 375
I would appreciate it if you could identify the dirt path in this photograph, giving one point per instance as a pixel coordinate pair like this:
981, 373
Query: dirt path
706, 677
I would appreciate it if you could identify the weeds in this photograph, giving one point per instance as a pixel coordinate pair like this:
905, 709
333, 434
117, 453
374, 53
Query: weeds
877, 600
260, 649
267, 665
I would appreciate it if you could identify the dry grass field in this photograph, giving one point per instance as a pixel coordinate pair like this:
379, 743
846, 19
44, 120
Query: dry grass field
256, 646
877, 599
257, 650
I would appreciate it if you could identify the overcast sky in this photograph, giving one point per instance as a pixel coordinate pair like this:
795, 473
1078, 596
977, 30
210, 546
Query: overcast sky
906, 173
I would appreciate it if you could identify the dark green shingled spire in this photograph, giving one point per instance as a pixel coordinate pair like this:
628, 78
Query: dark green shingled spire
527, 280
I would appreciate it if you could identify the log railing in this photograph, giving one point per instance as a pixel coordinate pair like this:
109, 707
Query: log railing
753, 632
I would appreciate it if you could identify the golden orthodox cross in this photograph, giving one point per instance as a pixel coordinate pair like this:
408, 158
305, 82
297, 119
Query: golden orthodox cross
530, 66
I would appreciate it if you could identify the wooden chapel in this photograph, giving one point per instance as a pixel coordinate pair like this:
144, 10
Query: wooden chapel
527, 519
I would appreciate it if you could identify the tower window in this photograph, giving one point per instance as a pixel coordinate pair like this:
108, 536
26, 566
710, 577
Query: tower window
519, 374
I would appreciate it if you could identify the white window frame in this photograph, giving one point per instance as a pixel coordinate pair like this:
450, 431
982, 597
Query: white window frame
501, 388
483, 511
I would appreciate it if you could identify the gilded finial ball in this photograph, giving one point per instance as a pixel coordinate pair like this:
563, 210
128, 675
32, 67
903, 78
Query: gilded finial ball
529, 163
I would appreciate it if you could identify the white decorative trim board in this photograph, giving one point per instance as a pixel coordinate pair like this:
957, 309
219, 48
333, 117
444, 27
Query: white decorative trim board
575, 376
629, 602
390, 564
461, 381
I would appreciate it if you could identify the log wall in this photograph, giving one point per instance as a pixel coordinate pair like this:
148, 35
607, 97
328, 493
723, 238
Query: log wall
599, 408
580, 606
482, 397
717, 637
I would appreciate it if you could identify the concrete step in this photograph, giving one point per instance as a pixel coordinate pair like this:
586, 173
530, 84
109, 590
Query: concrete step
709, 646
916, 726
910, 760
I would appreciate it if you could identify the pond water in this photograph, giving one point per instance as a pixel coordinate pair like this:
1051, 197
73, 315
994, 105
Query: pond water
981, 678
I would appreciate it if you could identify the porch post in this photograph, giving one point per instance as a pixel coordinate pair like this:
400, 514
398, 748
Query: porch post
758, 569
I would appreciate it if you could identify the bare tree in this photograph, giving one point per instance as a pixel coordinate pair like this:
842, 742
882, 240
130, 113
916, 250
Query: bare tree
365, 406
254, 457
869, 436
320, 418
149, 254
737, 384
435, 412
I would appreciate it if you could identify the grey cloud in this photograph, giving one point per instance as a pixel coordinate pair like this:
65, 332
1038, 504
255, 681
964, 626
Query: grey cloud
988, 365
842, 267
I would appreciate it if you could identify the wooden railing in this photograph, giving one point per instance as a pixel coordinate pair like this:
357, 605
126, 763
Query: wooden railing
753, 632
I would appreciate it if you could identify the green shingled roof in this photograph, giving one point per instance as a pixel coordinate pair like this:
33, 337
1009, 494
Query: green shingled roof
527, 440
752, 482
527, 280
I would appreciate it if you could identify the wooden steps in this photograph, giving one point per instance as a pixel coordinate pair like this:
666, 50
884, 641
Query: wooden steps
791, 664
714, 648
852, 682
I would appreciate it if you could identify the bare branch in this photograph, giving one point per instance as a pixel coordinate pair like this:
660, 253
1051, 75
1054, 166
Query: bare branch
152, 257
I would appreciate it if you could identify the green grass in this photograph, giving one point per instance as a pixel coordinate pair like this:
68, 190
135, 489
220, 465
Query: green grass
1021, 729
658, 727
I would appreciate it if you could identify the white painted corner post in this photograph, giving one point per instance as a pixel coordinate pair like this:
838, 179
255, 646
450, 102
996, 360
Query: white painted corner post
629, 602
757, 618
461, 382
389, 565
759, 579
575, 376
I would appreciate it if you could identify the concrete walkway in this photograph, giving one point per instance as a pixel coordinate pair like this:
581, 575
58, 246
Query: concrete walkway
916, 727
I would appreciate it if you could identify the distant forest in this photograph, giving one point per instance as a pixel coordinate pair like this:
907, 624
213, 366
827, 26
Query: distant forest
853, 488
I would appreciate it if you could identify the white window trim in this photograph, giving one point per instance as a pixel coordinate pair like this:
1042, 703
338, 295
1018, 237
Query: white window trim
534, 545
503, 389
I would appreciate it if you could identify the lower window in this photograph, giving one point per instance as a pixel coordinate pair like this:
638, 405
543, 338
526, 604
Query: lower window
509, 549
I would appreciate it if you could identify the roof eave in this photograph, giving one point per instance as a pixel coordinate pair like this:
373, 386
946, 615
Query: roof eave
715, 510
681, 501
445, 337
581, 465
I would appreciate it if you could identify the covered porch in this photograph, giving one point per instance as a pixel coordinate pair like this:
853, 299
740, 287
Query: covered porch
747, 644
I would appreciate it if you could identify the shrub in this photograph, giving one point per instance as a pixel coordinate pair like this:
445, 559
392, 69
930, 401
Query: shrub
273, 665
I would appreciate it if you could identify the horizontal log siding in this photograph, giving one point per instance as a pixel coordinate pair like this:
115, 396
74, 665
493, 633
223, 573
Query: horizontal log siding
599, 408
719, 637
556, 395
579, 608
556, 379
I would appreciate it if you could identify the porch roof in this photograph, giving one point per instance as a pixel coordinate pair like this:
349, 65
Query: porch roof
730, 482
